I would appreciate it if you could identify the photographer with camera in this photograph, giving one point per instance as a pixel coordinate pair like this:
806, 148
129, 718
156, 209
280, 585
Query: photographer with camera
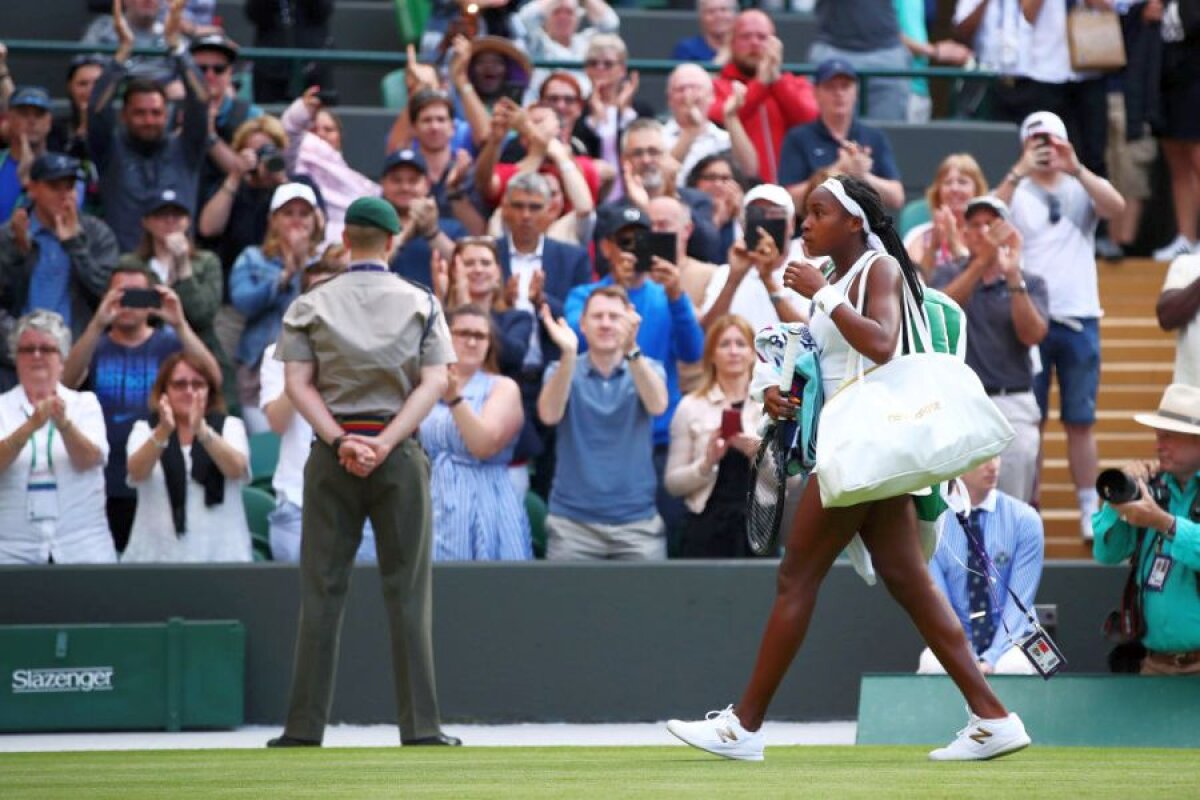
1151, 516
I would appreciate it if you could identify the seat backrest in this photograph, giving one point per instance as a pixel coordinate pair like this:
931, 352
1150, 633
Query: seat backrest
913, 214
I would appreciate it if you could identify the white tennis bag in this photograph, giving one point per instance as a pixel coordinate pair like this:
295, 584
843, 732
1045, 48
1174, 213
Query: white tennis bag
906, 425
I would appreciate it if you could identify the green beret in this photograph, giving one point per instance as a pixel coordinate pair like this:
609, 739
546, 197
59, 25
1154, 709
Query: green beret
373, 212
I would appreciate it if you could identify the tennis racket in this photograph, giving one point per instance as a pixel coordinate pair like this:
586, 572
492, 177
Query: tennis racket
768, 473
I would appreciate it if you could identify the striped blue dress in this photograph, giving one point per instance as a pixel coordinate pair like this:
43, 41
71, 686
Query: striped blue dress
477, 515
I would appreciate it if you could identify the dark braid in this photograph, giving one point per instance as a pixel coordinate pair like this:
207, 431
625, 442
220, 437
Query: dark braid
883, 227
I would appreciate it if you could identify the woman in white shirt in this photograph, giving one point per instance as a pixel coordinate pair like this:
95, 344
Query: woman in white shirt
188, 464
52, 452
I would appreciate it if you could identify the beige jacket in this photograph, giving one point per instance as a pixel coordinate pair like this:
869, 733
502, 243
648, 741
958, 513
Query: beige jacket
695, 419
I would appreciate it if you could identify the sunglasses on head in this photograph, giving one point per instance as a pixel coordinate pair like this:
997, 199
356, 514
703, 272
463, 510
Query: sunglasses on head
1055, 206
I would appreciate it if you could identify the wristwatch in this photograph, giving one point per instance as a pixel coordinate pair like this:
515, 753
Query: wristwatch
336, 444
634, 354
1020, 288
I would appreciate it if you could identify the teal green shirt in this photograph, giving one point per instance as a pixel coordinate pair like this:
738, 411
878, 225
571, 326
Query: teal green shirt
910, 16
1172, 615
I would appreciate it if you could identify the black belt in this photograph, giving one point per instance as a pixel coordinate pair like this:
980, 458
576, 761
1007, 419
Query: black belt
1003, 391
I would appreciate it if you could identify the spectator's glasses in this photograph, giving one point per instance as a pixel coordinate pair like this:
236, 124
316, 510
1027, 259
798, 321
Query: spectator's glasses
471, 336
195, 384
38, 350
1055, 206
715, 177
601, 63
216, 69
561, 100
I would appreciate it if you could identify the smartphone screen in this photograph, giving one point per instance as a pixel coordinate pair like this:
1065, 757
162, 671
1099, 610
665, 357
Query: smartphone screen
731, 423
514, 92
641, 250
141, 298
773, 220
664, 245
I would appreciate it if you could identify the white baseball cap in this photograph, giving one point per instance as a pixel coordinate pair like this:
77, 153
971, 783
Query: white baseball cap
292, 191
774, 194
1043, 122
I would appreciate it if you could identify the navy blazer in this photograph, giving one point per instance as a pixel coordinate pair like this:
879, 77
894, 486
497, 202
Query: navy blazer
566, 266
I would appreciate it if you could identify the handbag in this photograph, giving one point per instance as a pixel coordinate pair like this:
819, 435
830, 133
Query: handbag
908, 424
1095, 40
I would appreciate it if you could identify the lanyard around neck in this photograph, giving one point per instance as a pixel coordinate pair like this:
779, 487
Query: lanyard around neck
49, 451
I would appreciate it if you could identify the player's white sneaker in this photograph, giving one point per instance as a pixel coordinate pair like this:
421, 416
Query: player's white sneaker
983, 739
721, 734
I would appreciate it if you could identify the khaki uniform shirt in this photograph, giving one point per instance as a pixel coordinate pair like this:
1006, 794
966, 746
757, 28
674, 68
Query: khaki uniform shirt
369, 333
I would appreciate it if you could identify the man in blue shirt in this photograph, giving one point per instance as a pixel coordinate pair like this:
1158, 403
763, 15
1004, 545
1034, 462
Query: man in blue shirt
1014, 541
52, 256
669, 331
837, 140
602, 503
406, 185
29, 123
711, 45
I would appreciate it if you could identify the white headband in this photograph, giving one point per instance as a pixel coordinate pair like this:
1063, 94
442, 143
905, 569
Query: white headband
834, 186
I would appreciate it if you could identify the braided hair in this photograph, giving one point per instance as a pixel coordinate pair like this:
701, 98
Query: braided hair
883, 227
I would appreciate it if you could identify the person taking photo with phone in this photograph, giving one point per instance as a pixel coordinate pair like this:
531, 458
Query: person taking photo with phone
1056, 205
117, 357
750, 285
668, 333
713, 443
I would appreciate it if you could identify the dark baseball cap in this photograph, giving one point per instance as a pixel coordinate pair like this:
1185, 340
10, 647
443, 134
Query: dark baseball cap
167, 198
831, 68
53, 166
404, 157
34, 96
218, 42
612, 219
372, 212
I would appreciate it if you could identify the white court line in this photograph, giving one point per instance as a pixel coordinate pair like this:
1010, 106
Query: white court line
525, 735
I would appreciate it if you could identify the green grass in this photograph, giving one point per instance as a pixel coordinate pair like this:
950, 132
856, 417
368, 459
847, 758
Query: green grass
596, 772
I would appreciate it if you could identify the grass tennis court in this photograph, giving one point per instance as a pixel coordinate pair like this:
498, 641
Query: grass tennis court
596, 772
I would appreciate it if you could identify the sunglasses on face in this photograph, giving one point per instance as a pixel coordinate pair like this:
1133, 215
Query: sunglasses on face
37, 349
195, 384
216, 69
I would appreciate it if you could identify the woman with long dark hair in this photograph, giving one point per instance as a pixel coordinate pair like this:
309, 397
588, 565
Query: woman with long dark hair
845, 222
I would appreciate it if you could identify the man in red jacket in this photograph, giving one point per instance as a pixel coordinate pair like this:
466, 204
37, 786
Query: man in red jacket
775, 102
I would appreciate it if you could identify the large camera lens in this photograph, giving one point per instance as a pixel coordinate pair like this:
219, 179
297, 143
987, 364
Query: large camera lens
271, 158
1116, 487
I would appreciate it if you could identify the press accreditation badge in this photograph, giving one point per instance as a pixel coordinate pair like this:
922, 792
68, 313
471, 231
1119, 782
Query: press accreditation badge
1159, 571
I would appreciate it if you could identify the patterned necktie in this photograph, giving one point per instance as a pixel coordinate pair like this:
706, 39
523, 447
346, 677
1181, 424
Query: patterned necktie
983, 627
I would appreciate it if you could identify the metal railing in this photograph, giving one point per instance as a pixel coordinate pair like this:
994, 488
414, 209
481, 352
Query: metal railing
397, 59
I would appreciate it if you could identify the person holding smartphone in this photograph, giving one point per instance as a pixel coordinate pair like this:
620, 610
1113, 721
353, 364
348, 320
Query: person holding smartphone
713, 442
118, 356
751, 283
668, 333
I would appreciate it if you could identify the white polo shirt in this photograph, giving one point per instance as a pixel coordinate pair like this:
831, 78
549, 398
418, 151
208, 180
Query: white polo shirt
1183, 271
1063, 254
80, 534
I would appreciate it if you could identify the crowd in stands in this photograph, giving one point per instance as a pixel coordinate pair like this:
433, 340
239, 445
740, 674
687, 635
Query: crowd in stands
593, 256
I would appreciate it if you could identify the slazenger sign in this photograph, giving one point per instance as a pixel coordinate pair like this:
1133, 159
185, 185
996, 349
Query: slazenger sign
62, 680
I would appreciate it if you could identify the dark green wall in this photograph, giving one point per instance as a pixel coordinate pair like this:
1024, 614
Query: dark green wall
537, 641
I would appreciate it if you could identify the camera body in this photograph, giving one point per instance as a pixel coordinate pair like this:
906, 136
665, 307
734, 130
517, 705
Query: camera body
1116, 487
271, 159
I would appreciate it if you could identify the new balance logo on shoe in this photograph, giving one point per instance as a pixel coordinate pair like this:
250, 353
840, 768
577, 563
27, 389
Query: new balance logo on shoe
726, 734
980, 735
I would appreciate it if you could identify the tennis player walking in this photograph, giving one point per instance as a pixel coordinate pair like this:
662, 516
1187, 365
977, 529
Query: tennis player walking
846, 222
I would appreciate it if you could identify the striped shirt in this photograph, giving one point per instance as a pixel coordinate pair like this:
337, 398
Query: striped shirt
1013, 537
